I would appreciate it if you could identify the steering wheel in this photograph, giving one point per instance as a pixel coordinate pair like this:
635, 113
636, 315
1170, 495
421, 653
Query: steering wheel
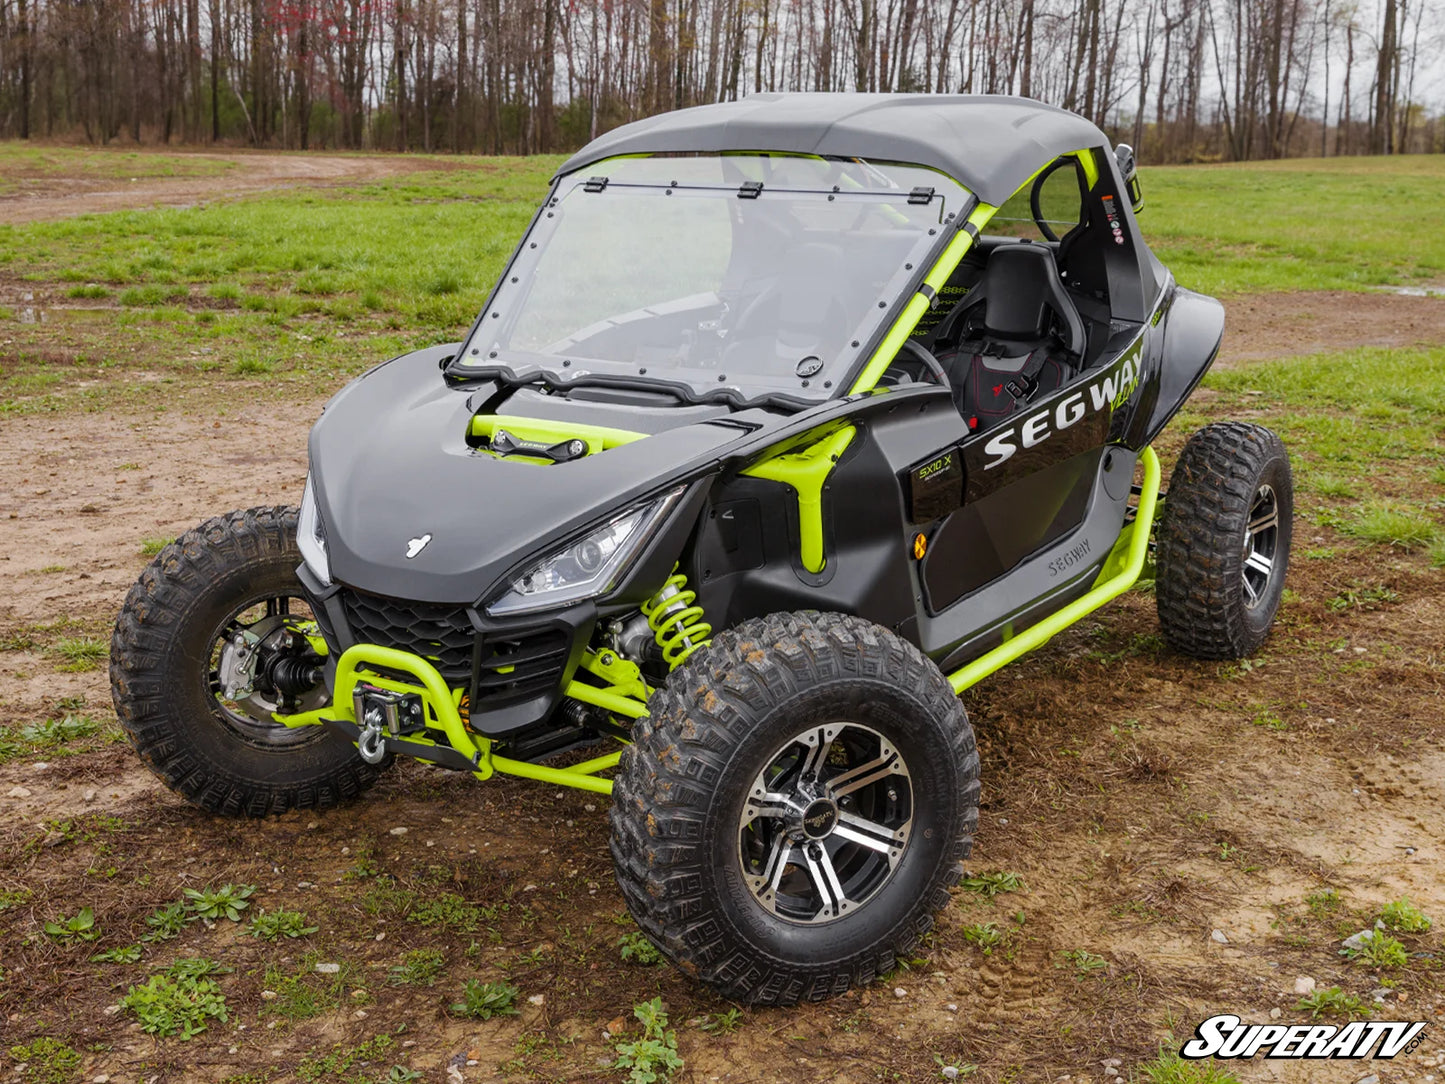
925, 356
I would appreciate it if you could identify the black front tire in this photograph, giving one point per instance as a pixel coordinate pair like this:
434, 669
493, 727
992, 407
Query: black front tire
160, 676
1224, 540
685, 807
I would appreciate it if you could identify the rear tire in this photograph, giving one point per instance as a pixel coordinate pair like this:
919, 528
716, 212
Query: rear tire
770, 901
1224, 539
161, 675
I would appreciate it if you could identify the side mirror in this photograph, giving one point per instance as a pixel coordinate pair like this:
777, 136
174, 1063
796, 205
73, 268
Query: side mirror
1129, 170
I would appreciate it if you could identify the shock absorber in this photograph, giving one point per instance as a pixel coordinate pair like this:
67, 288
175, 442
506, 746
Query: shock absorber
676, 621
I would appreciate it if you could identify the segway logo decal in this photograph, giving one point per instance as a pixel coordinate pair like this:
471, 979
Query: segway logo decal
1226, 1036
1106, 392
416, 545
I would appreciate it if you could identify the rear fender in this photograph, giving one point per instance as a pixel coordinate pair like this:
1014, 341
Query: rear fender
1193, 327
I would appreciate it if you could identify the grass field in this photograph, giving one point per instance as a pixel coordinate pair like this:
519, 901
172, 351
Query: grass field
159, 366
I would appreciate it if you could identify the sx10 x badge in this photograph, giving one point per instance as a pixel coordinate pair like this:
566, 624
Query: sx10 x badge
1226, 1036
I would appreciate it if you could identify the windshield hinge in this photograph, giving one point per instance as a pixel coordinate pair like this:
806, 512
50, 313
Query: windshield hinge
595, 184
922, 194
750, 190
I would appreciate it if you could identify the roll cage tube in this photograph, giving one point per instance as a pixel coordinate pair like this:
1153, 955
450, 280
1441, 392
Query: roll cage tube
930, 288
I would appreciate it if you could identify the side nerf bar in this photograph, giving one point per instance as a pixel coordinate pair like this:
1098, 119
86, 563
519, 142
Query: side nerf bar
1121, 570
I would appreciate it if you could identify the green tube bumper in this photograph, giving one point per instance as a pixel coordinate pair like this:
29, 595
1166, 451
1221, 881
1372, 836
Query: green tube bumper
441, 706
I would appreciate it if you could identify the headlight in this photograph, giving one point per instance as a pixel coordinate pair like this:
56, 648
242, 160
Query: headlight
588, 566
310, 539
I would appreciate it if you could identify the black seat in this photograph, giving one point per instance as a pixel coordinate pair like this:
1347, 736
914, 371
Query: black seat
1017, 333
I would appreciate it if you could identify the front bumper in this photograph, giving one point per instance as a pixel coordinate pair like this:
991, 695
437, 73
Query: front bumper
367, 669
512, 673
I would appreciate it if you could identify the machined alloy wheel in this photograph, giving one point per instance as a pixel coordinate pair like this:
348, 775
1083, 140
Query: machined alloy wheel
825, 823
1261, 542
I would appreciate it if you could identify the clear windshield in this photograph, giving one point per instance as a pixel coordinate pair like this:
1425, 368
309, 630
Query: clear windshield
681, 271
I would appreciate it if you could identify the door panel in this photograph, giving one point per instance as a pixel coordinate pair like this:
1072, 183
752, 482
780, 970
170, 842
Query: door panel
1027, 482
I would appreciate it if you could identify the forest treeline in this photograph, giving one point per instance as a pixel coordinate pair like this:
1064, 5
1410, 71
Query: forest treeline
1184, 80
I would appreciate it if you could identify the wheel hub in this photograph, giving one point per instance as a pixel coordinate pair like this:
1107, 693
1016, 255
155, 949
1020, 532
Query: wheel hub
820, 818
825, 823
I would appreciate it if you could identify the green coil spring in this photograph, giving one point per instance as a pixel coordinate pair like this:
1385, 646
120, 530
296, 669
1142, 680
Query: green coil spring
676, 622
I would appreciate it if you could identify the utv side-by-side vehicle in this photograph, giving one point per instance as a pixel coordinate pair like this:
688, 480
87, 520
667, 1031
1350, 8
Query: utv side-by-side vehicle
788, 420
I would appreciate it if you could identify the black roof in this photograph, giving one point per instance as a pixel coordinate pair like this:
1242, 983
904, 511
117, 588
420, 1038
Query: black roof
990, 143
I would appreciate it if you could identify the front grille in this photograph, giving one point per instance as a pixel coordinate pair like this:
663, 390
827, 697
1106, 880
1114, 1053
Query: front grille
440, 633
522, 665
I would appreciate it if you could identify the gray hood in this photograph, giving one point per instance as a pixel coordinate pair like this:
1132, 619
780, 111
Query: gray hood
390, 463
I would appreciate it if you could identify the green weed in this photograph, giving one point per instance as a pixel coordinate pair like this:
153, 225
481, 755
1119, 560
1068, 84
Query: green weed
302, 995
1170, 1068
149, 547
1323, 901
448, 911
81, 927
125, 954
228, 901
166, 922
182, 1006
341, 1060
722, 1023
1396, 525
1361, 597
1379, 949
59, 731
13, 897
90, 290
80, 653
196, 967
1330, 485
638, 949
1267, 717
484, 1000
420, 967
985, 935
1084, 963
269, 925
1333, 1002
1405, 917
653, 1057
989, 885
47, 1060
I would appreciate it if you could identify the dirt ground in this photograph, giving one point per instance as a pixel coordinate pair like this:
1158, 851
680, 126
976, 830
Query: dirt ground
1168, 818
44, 195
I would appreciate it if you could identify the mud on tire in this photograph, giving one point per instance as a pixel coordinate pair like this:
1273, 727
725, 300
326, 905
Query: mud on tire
160, 672
827, 697
1224, 539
